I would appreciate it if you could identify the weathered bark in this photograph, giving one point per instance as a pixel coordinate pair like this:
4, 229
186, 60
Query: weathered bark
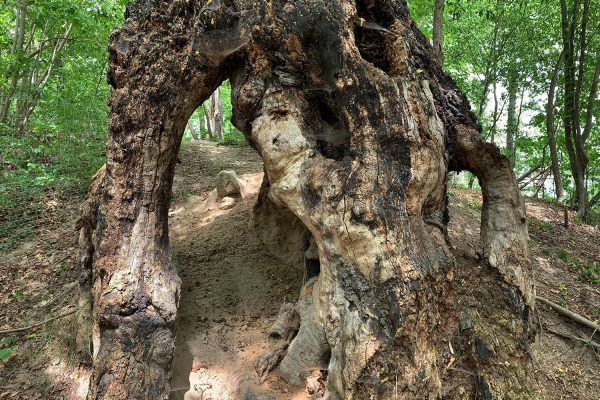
85, 257
157, 82
358, 130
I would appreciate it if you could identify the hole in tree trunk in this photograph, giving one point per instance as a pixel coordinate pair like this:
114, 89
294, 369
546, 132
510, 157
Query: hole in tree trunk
212, 120
237, 264
370, 34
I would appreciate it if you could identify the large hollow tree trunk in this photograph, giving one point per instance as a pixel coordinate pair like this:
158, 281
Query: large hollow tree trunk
358, 130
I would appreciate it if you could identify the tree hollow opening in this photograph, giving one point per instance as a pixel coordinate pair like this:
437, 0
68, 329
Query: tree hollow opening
239, 256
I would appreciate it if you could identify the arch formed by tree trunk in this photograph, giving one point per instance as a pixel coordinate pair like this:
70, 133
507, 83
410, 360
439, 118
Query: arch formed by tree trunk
358, 130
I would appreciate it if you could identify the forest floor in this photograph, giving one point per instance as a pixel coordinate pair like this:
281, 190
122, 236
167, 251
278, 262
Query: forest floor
232, 289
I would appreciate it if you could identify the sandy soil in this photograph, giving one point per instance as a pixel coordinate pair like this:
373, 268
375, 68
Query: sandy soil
233, 288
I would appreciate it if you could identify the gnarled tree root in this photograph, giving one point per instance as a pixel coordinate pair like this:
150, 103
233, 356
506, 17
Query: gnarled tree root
301, 345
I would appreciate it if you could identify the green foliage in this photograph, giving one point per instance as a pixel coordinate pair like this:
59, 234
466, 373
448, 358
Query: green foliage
589, 270
490, 43
536, 227
563, 255
231, 135
63, 142
8, 346
475, 205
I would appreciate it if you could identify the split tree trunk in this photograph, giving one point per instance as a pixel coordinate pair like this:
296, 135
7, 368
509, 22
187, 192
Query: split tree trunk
358, 131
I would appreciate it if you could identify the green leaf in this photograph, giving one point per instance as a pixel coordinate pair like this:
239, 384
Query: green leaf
5, 353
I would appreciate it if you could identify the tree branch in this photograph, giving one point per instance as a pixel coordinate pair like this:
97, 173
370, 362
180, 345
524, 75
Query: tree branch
570, 314
566, 335
594, 200
26, 328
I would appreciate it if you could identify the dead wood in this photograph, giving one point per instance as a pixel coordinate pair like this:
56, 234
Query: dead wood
570, 314
26, 328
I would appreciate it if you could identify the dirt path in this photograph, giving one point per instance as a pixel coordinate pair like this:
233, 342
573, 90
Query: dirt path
231, 287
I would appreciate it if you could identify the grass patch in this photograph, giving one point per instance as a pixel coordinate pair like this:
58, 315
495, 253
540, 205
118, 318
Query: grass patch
38, 168
589, 270
563, 255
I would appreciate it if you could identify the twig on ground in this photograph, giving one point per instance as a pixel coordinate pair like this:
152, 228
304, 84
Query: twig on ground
61, 260
563, 311
589, 341
26, 328
537, 312
462, 370
69, 287
578, 339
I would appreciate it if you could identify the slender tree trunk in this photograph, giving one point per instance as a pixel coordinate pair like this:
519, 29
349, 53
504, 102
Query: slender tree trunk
512, 124
571, 112
490, 74
573, 90
37, 82
207, 122
550, 130
216, 114
18, 41
438, 32
488, 69
357, 143
192, 132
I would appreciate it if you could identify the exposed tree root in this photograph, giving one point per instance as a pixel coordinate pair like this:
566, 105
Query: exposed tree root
282, 331
309, 350
300, 345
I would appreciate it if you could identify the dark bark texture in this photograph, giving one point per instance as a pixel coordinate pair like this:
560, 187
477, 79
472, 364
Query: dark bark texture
358, 130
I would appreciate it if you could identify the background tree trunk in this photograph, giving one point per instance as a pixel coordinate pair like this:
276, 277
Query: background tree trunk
512, 123
438, 31
575, 136
215, 115
208, 124
550, 130
12, 73
358, 130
